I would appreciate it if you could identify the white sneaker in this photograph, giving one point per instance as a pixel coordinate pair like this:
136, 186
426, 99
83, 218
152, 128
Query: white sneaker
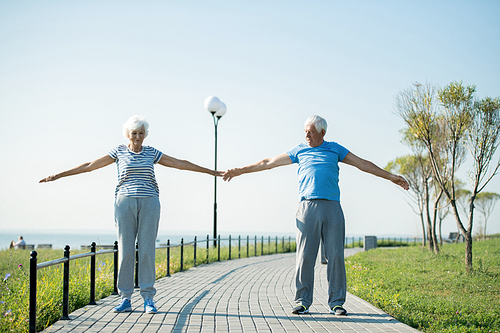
149, 306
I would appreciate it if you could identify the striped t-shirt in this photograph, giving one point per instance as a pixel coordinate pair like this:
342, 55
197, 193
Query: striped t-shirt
136, 175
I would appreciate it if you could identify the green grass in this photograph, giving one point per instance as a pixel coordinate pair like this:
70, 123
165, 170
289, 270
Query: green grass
432, 293
14, 283
14, 288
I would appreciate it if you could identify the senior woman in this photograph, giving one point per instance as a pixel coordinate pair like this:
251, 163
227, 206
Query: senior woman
137, 207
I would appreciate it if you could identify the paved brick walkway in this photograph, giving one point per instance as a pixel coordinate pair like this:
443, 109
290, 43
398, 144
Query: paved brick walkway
242, 295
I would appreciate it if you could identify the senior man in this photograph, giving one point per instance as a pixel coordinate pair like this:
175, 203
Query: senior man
319, 216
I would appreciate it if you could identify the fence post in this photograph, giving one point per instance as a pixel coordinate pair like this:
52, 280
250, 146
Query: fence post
255, 247
261, 245
194, 263
137, 265
65, 315
115, 273
33, 275
283, 243
218, 248
229, 247
289, 244
182, 254
239, 246
168, 257
92, 275
248, 243
208, 248
276, 244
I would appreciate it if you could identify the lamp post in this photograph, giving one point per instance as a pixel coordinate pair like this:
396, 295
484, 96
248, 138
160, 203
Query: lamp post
217, 109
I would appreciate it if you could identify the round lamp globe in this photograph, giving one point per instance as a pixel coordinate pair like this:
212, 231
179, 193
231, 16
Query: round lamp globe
212, 104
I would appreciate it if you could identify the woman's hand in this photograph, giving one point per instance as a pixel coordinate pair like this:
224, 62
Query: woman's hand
49, 179
217, 173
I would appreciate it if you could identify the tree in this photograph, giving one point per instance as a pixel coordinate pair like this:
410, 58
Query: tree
442, 213
485, 202
412, 167
417, 106
457, 120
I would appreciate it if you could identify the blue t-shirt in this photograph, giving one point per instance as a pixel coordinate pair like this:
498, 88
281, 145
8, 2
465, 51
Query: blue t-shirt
318, 169
136, 174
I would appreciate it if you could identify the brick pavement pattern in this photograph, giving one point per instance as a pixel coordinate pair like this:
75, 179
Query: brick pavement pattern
241, 295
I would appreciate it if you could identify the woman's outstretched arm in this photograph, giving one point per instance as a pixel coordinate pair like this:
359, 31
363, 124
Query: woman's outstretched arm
85, 167
173, 162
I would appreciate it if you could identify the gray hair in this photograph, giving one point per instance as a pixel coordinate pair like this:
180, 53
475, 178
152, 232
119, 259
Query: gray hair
318, 122
134, 123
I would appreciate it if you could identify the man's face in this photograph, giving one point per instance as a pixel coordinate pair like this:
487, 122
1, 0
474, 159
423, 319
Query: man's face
313, 137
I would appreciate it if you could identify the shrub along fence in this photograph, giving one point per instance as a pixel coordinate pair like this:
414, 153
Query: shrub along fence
285, 246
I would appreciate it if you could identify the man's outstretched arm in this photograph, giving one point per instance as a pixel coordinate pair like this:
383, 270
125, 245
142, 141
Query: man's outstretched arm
265, 164
369, 167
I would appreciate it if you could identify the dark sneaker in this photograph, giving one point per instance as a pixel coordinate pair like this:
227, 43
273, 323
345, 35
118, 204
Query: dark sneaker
124, 306
149, 306
338, 310
300, 309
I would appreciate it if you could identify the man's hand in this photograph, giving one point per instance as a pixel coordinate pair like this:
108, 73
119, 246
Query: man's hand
399, 180
230, 174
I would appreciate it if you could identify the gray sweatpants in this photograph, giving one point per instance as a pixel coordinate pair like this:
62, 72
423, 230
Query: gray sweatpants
137, 218
320, 220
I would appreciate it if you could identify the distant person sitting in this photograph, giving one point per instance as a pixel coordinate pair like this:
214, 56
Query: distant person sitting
21, 244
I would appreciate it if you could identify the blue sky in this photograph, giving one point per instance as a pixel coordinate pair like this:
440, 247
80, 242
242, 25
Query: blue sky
71, 73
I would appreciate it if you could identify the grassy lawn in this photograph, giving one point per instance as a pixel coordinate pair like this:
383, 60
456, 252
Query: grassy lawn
432, 293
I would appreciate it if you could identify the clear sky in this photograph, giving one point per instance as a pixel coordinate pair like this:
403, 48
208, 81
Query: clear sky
72, 72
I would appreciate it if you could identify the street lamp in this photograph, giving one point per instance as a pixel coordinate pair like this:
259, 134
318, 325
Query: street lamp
217, 109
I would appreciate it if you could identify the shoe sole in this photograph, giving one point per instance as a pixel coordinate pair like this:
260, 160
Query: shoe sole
338, 314
150, 309
121, 311
301, 312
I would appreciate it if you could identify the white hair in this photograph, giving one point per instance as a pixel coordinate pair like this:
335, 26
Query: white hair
318, 122
134, 123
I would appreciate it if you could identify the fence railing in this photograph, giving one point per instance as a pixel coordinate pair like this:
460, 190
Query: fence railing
351, 242
65, 261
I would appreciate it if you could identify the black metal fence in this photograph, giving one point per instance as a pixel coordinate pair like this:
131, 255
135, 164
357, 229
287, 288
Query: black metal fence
286, 246
351, 242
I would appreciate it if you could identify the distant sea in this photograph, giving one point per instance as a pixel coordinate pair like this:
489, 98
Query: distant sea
75, 239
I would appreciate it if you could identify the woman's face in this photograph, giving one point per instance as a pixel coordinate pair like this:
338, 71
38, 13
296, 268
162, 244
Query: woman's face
137, 136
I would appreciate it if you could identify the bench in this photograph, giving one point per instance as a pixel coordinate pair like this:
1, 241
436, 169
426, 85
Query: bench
98, 247
453, 236
44, 246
